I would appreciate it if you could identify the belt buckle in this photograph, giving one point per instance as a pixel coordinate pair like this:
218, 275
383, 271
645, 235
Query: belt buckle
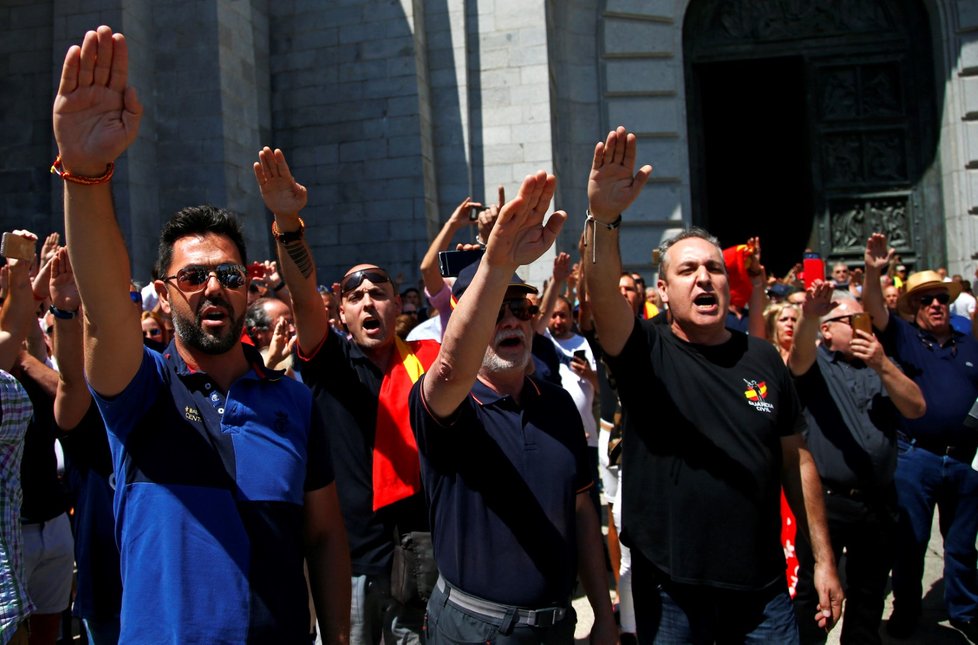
553, 616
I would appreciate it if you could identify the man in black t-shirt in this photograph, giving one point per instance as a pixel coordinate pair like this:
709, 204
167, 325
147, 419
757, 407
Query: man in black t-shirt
712, 431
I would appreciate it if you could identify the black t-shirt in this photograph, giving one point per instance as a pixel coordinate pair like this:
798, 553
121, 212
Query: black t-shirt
702, 456
346, 386
44, 495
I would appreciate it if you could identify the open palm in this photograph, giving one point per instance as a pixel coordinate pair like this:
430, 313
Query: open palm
281, 192
611, 186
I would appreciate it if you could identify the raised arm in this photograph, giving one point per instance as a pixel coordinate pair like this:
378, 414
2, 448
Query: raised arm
519, 237
72, 399
818, 302
285, 197
611, 188
877, 258
96, 117
550, 292
758, 295
17, 313
458, 220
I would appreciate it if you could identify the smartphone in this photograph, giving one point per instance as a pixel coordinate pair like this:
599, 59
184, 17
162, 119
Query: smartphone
813, 268
474, 213
19, 248
581, 354
450, 263
862, 322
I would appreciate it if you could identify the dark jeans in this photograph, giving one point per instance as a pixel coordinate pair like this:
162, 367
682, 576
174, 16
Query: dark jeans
445, 623
923, 480
863, 525
667, 613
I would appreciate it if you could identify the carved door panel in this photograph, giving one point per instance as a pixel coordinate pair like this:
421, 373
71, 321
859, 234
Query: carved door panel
871, 114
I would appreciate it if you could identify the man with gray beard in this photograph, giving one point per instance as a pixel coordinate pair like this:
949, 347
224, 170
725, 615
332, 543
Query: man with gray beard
503, 459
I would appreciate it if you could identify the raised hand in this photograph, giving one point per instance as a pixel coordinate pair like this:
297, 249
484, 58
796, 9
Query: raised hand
877, 255
562, 267
96, 112
64, 292
818, 300
283, 195
611, 187
50, 247
460, 216
519, 236
281, 344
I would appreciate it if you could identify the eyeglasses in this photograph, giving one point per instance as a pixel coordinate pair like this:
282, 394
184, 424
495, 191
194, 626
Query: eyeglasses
136, 297
846, 319
192, 279
927, 298
522, 308
355, 279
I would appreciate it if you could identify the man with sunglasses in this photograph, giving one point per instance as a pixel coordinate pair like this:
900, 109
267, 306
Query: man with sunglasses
935, 451
361, 385
504, 459
854, 396
224, 480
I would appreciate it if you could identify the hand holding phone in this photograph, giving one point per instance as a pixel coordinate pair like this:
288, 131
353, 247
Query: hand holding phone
17, 247
813, 268
862, 322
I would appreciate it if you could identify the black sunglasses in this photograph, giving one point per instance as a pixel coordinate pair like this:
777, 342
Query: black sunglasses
927, 298
355, 279
152, 332
193, 278
846, 319
522, 308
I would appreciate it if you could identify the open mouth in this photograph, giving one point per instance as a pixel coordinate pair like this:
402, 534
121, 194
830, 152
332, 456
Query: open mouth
705, 300
371, 324
212, 316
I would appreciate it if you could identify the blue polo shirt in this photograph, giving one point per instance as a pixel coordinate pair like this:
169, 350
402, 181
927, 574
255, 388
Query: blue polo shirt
947, 375
502, 481
209, 502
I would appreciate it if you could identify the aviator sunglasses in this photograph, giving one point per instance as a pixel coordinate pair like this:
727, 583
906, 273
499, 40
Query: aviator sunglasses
522, 308
355, 279
192, 279
926, 299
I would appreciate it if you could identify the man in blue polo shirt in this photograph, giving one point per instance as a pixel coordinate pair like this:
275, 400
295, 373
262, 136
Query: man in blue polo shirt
224, 484
936, 450
503, 459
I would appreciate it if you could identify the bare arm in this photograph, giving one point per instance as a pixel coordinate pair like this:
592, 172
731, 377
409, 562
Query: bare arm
430, 272
285, 197
96, 117
72, 399
518, 238
803, 489
329, 563
611, 189
550, 292
877, 258
17, 313
758, 295
818, 302
591, 569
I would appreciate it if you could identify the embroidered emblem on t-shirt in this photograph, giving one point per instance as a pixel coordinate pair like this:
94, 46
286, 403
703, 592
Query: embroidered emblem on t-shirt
756, 394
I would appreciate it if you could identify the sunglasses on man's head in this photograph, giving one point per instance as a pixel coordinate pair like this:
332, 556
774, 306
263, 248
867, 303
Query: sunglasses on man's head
522, 308
942, 298
355, 279
193, 278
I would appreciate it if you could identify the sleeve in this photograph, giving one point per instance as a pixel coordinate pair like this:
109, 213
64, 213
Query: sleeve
633, 358
430, 432
324, 362
319, 464
123, 411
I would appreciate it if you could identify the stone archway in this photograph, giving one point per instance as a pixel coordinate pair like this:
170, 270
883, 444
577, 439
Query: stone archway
813, 124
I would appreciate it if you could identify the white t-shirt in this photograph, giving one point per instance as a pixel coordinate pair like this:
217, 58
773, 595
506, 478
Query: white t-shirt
964, 305
579, 388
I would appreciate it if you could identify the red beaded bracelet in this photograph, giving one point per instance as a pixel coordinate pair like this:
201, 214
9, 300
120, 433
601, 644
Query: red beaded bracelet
57, 168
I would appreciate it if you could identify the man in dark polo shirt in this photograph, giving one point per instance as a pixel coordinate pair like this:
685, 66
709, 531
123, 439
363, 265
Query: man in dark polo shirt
936, 450
853, 396
361, 384
224, 486
504, 460
712, 432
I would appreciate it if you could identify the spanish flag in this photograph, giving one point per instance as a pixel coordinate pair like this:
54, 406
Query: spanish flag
738, 260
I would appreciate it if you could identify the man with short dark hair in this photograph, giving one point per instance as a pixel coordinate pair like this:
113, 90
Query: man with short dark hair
712, 431
361, 384
936, 450
224, 478
503, 459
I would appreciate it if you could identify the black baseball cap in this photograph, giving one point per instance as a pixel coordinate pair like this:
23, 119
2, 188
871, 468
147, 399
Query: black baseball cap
465, 276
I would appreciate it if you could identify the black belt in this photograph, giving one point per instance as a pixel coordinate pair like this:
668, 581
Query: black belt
961, 453
496, 611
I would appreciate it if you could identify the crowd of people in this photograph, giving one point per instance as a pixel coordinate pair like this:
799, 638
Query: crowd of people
251, 456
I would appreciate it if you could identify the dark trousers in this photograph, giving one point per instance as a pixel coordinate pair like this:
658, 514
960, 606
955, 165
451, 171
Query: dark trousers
865, 526
668, 613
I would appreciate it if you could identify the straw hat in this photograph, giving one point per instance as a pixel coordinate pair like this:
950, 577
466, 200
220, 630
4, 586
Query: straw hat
921, 281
